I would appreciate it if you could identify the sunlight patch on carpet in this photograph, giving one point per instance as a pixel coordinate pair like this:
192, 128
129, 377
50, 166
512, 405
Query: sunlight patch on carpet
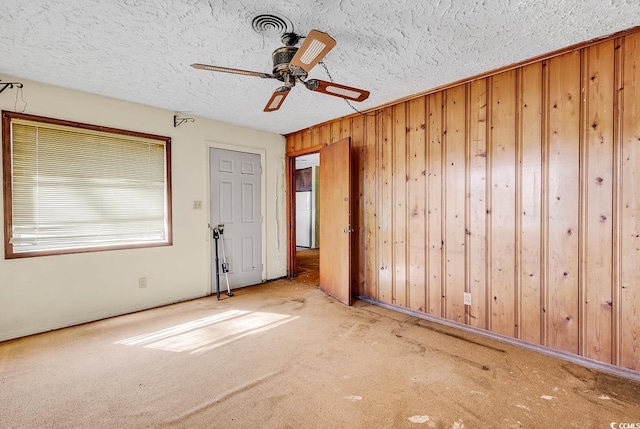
210, 332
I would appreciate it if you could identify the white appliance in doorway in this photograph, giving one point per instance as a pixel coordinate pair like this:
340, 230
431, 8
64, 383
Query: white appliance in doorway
303, 219
235, 201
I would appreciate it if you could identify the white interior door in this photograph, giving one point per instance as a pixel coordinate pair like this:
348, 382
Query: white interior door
235, 202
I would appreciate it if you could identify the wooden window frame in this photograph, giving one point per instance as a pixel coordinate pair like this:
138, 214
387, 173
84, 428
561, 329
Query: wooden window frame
7, 175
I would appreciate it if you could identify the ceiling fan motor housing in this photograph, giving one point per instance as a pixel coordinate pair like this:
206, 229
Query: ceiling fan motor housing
281, 59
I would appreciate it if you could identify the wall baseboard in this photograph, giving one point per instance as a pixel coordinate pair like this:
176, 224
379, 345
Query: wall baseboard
580, 360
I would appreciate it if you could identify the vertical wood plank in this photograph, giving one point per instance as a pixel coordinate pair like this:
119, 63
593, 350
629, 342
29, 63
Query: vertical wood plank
357, 214
307, 138
617, 199
335, 130
489, 204
455, 236
399, 190
345, 128
517, 245
435, 289
531, 202
325, 134
598, 185
315, 137
416, 204
476, 202
291, 143
370, 202
385, 208
305, 141
630, 209
545, 191
564, 155
503, 227
298, 141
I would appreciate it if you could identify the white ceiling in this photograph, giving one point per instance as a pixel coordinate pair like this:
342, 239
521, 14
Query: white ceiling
141, 50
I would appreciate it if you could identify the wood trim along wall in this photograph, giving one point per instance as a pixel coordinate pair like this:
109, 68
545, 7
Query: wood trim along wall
520, 188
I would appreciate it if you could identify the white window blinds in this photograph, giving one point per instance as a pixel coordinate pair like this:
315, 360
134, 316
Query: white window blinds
74, 189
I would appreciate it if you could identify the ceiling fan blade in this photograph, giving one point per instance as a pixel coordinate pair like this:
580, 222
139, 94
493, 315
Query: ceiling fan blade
234, 71
315, 46
277, 99
337, 90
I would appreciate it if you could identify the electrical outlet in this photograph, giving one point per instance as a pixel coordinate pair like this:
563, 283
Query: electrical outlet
142, 282
197, 205
467, 298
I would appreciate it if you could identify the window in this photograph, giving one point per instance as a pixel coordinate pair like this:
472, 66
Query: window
71, 188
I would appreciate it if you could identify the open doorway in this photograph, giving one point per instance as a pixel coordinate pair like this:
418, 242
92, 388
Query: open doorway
307, 218
334, 224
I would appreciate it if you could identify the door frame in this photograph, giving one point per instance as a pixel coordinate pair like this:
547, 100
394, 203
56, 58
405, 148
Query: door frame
292, 265
211, 144
290, 167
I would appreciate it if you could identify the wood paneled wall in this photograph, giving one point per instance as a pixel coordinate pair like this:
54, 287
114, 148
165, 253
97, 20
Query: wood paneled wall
521, 188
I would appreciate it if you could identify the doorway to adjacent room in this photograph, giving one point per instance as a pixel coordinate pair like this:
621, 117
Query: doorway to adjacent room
333, 229
307, 217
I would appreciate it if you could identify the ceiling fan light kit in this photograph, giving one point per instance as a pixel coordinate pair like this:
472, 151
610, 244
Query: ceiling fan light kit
291, 64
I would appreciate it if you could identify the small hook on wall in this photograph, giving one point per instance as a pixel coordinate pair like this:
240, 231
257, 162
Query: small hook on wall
177, 121
5, 85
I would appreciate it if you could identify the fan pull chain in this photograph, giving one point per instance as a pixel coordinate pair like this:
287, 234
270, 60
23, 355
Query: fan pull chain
351, 105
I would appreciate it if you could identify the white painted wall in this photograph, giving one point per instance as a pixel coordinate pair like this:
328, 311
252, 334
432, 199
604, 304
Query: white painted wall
49, 292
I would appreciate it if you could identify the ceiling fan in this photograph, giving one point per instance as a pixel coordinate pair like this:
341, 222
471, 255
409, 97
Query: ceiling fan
291, 65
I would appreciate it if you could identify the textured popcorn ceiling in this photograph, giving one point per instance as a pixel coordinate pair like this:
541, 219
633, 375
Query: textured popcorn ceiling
141, 50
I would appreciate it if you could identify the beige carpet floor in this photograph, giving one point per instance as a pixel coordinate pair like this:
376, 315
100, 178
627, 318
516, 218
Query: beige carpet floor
285, 355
